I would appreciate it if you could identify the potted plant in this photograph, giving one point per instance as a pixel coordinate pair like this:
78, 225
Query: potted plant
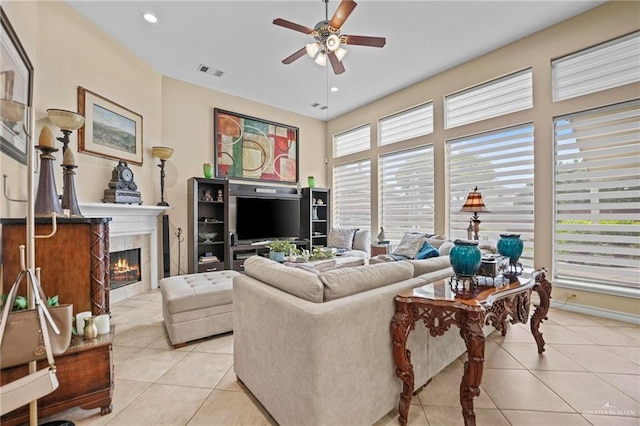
278, 249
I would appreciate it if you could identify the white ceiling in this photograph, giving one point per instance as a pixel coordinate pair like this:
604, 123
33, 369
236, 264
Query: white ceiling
238, 37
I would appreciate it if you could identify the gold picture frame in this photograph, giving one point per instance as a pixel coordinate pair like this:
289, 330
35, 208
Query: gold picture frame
110, 130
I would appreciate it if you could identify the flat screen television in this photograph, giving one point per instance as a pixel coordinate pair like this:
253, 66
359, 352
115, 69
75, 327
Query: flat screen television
267, 218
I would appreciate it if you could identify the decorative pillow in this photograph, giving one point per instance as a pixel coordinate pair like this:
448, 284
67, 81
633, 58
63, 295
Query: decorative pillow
409, 245
445, 248
341, 238
427, 251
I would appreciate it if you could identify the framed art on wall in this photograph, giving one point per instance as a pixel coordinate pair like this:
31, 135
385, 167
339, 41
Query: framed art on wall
251, 148
16, 92
110, 130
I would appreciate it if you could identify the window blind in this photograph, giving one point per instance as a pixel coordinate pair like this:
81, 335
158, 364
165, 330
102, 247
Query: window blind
407, 124
352, 194
601, 67
597, 196
406, 197
500, 164
498, 97
349, 142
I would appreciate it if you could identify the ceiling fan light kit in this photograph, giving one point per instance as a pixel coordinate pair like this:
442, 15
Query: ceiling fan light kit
329, 42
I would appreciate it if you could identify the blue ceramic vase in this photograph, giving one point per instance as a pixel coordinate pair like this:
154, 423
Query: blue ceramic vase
277, 256
465, 258
511, 246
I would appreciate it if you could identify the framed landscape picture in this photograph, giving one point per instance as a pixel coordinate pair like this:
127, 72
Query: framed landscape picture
16, 92
110, 130
251, 148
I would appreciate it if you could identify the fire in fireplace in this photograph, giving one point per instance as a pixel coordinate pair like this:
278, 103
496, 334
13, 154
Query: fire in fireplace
124, 267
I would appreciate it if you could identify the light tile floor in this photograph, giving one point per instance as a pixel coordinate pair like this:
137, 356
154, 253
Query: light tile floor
589, 375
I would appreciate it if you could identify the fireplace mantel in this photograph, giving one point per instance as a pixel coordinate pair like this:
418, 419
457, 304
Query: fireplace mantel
131, 219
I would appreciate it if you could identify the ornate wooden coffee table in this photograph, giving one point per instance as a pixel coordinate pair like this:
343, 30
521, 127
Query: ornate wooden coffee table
436, 305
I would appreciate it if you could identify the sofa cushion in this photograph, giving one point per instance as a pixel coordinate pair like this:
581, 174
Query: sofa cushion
362, 241
296, 281
409, 244
425, 266
347, 281
427, 251
341, 238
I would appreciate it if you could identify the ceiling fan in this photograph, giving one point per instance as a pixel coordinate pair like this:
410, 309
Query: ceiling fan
328, 38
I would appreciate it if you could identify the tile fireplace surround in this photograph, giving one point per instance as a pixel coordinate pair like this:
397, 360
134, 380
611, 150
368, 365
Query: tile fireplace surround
132, 226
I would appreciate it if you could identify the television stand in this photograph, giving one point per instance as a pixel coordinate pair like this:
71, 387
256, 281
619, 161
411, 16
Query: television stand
241, 252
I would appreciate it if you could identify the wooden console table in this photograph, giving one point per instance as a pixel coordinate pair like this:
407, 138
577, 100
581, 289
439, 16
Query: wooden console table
436, 305
85, 373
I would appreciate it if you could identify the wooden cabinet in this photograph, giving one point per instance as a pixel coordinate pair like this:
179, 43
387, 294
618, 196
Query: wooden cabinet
74, 262
208, 225
85, 374
314, 215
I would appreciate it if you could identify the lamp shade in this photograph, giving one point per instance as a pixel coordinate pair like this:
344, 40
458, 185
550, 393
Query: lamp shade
333, 42
312, 49
162, 152
66, 120
321, 59
340, 52
474, 203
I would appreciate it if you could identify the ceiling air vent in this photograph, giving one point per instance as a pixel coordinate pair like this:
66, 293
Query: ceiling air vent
317, 105
208, 70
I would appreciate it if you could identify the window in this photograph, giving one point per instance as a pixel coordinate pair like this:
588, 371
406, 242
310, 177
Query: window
500, 164
498, 97
597, 196
407, 124
607, 65
406, 192
352, 195
352, 141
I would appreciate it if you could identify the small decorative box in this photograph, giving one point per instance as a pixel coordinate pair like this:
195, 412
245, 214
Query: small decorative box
493, 265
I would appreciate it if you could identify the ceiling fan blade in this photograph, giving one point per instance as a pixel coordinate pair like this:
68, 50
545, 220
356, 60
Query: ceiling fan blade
337, 66
342, 13
299, 54
292, 26
364, 40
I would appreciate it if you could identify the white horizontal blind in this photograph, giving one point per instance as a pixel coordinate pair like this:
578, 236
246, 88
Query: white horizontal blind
498, 97
597, 196
601, 67
500, 164
352, 194
407, 124
406, 198
355, 140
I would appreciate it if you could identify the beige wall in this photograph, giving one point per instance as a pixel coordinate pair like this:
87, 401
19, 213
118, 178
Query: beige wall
187, 126
536, 51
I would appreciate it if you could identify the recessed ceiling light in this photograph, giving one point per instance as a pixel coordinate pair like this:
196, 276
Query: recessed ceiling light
150, 17
334, 89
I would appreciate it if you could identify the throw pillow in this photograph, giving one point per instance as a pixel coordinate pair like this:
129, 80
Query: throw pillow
427, 251
341, 238
445, 248
409, 244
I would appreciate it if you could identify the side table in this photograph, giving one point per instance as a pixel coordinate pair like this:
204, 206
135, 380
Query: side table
437, 307
85, 373
377, 249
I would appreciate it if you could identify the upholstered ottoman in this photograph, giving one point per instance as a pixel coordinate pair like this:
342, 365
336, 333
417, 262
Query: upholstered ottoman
197, 305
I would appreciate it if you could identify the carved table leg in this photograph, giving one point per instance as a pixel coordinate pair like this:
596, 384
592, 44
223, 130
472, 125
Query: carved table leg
471, 332
401, 325
543, 288
107, 409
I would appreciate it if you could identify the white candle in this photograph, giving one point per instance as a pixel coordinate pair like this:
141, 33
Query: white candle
68, 159
46, 137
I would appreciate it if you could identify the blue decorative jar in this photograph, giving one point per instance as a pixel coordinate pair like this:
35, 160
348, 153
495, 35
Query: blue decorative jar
465, 258
278, 256
511, 246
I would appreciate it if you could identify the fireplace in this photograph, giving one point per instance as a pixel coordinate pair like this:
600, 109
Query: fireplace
124, 267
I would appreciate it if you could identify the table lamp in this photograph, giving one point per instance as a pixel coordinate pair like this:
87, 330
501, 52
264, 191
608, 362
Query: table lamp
67, 121
474, 204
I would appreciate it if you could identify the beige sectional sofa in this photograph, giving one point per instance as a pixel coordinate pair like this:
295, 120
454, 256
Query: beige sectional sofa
315, 349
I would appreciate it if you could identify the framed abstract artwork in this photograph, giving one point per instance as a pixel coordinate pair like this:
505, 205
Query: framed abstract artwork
16, 93
251, 148
110, 130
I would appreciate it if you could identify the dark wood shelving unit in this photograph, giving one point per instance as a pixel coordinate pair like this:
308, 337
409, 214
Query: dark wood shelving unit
314, 215
207, 216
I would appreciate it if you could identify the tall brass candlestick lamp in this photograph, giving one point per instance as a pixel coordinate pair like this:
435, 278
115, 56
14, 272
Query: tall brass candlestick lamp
67, 121
163, 153
475, 204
